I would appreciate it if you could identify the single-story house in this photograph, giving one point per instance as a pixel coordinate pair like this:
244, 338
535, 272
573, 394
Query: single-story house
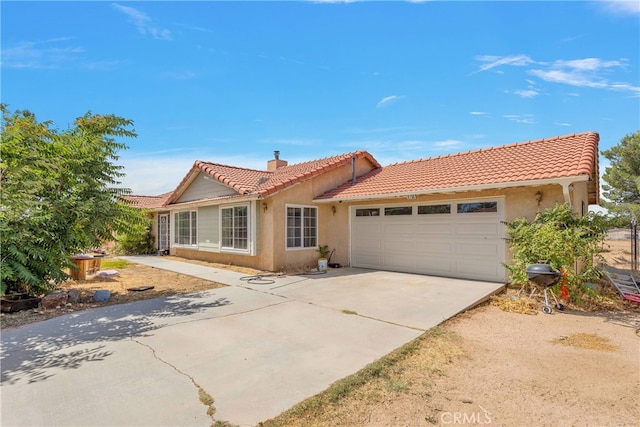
441, 215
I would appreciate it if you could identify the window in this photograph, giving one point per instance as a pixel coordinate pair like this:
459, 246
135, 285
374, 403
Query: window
368, 212
186, 224
235, 227
402, 210
478, 207
302, 227
434, 209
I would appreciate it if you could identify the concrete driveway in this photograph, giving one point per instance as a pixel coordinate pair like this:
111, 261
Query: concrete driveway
255, 347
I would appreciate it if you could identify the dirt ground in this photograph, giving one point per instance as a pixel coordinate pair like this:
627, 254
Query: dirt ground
165, 283
484, 367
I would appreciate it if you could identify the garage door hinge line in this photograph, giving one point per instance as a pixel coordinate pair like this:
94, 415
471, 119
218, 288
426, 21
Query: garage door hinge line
205, 398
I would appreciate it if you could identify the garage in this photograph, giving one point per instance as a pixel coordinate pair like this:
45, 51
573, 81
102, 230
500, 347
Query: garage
462, 239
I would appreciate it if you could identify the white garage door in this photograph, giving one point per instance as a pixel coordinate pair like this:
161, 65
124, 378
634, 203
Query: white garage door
462, 239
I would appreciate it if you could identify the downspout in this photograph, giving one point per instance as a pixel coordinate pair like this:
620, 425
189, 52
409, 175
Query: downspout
566, 191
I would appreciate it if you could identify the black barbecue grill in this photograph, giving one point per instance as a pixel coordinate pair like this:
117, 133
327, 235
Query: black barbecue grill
541, 275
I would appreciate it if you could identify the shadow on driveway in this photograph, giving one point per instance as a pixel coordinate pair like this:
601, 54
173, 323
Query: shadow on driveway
33, 352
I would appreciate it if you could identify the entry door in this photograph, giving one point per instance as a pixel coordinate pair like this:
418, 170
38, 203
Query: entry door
163, 232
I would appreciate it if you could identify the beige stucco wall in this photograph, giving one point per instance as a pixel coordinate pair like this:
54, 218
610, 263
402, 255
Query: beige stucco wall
332, 229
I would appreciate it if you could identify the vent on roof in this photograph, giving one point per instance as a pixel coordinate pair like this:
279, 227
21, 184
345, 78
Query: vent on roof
276, 163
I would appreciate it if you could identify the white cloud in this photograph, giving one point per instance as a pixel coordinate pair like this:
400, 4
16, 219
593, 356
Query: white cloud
520, 118
569, 77
586, 64
143, 22
562, 124
491, 61
447, 143
41, 54
622, 7
387, 101
528, 93
584, 72
178, 75
478, 113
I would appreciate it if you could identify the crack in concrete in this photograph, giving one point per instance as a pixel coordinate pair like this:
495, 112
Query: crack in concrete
227, 315
205, 398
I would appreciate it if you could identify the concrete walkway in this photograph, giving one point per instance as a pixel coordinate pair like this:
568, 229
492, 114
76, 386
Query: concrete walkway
255, 347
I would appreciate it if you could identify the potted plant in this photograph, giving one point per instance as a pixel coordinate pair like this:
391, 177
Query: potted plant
323, 254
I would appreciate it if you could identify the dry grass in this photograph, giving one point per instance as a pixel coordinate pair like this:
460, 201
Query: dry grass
405, 374
589, 341
514, 303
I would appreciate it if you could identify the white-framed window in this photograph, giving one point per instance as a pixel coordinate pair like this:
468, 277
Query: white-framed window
302, 227
234, 227
186, 228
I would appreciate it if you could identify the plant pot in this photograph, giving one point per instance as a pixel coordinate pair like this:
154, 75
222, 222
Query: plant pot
323, 264
18, 302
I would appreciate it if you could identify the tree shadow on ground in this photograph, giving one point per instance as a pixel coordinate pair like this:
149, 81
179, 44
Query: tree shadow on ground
34, 352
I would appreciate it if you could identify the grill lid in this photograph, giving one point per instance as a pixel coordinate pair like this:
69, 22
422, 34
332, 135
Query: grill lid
542, 274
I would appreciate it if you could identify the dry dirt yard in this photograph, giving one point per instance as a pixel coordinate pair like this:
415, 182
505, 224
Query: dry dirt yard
484, 367
165, 283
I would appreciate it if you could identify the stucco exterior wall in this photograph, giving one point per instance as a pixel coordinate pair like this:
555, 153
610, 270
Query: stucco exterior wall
332, 229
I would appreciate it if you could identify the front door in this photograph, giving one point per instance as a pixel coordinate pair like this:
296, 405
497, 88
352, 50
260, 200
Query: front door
163, 232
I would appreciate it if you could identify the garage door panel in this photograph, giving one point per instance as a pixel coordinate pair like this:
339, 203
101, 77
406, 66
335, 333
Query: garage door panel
482, 249
478, 269
406, 229
479, 228
367, 228
431, 247
441, 265
400, 262
367, 260
368, 244
434, 229
367, 237
397, 246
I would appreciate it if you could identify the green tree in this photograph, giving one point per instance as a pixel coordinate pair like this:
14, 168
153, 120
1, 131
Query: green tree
59, 195
622, 177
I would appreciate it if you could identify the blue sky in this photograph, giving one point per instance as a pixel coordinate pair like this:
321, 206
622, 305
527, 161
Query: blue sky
230, 82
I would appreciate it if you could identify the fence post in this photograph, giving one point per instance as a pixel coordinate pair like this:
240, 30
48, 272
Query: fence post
634, 244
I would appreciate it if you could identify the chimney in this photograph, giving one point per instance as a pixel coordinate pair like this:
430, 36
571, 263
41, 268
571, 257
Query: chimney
276, 163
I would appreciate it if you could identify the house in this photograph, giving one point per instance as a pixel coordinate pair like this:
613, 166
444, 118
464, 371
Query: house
441, 216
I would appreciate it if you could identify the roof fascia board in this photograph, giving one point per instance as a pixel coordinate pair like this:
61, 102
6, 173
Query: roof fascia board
209, 202
564, 182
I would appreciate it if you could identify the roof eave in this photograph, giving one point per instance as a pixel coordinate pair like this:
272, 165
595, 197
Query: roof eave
210, 202
564, 181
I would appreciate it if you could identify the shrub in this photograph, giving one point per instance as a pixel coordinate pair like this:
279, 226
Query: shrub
138, 240
564, 240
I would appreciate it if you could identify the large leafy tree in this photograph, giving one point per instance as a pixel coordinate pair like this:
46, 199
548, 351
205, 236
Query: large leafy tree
622, 177
59, 194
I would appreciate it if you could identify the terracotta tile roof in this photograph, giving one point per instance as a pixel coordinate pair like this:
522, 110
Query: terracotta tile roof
558, 157
148, 202
249, 182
